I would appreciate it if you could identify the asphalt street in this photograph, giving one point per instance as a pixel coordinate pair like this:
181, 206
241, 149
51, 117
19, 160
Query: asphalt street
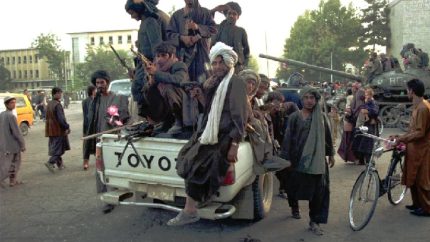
64, 207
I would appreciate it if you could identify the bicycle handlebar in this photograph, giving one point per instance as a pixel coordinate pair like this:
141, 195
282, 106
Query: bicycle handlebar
390, 142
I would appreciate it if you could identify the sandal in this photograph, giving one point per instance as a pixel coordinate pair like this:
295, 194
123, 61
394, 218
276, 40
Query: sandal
16, 183
183, 218
86, 165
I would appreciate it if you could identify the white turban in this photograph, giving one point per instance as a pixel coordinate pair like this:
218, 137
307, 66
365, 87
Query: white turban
227, 53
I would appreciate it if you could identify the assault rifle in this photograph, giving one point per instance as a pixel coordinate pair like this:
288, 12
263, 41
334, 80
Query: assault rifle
141, 57
122, 60
111, 130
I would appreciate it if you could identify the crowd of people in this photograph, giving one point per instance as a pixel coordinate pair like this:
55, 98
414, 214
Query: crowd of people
197, 87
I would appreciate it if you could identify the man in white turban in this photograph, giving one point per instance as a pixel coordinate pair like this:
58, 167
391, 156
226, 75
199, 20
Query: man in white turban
203, 162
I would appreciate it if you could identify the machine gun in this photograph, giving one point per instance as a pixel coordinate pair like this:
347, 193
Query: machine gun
121, 60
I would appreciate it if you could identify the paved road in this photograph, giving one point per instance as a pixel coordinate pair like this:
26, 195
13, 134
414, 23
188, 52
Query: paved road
64, 207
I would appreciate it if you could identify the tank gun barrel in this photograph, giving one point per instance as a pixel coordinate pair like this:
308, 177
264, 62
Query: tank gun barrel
312, 67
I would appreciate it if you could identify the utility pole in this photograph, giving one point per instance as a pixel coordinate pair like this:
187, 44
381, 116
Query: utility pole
267, 60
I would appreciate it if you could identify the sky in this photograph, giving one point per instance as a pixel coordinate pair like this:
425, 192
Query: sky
22, 21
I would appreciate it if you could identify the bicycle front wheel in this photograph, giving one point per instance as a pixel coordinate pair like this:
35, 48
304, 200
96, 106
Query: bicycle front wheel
364, 197
396, 191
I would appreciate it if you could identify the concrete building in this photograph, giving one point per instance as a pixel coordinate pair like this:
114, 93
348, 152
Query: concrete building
409, 23
119, 39
27, 70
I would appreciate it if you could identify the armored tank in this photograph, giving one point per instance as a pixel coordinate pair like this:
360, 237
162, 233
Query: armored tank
389, 87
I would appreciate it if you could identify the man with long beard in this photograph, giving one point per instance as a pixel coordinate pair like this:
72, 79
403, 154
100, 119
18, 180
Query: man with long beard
204, 160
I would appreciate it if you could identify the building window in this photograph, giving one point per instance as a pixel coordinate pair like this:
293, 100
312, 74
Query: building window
93, 41
25, 74
31, 73
13, 60
37, 73
7, 60
101, 41
2, 60
19, 74
128, 39
14, 74
24, 60
36, 58
110, 40
19, 59
30, 59
120, 39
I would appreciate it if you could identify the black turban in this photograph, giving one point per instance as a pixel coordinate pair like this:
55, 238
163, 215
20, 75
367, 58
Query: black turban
147, 6
235, 6
100, 74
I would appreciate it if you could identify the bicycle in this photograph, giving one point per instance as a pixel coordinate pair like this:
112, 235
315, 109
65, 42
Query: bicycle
369, 187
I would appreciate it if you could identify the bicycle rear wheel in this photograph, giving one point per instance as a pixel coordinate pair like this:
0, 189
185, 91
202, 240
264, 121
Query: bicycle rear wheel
364, 197
396, 191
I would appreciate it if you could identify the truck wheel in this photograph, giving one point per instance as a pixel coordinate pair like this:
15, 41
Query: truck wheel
24, 128
262, 189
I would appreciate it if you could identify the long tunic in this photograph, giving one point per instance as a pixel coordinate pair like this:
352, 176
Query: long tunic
300, 185
417, 168
237, 38
204, 166
363, 145
55, 119
11, 143
197, 56
98, 117
151, 33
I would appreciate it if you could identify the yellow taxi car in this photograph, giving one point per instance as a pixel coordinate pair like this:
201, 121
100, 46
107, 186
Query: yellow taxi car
24, 111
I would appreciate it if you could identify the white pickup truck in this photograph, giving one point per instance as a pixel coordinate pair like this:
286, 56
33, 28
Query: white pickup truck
144, 174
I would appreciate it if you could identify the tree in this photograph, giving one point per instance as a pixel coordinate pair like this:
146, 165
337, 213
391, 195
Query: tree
5, 77
253, 64
376, 26
101, 58
48, 48
331, 30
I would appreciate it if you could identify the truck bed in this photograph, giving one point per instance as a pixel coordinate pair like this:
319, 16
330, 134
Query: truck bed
155, 174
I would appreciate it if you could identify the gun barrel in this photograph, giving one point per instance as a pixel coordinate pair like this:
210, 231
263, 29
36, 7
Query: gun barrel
123, 63
312, 67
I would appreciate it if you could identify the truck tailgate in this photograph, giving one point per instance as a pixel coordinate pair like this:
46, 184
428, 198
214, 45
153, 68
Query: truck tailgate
153, 163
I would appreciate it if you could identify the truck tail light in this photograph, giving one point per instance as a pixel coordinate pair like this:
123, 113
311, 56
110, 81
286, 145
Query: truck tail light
100, 166
230, 176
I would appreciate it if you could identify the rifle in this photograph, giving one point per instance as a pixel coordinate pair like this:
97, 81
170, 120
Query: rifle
141, 57
111, 131
122, 60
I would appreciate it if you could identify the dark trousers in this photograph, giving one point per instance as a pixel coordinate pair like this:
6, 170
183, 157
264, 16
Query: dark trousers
56, 159
315, 189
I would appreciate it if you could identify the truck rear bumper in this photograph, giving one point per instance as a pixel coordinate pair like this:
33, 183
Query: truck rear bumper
213, 211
